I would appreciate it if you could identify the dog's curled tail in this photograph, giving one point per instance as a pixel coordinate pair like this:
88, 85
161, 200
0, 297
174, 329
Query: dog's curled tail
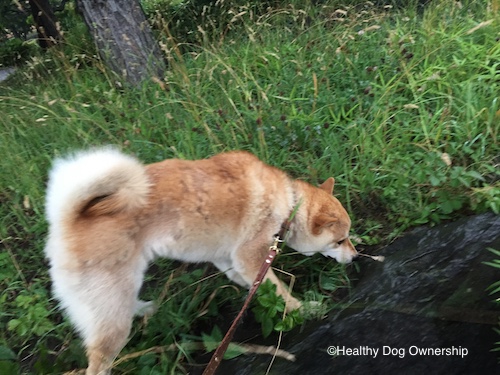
94, 183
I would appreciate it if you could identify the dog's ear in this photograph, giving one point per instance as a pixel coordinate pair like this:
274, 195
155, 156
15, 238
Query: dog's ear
322, 221
328, 185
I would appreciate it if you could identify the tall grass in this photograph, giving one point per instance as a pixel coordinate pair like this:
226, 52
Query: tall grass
401, 107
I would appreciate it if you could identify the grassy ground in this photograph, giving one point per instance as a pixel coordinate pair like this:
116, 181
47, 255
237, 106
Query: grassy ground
400, 106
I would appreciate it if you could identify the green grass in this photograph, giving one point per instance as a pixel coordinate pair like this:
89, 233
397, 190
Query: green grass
401, 107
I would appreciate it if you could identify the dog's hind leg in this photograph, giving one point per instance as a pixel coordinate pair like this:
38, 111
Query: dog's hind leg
226, 266
101, 302
111, 309
103, 348
111, 330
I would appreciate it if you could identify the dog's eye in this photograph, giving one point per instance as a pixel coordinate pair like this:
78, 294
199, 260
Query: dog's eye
340, 242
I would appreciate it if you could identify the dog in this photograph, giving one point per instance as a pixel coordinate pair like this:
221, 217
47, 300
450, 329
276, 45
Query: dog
109, 216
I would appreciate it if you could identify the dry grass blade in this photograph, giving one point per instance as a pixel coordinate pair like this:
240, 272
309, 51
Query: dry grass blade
191, 346
479, 26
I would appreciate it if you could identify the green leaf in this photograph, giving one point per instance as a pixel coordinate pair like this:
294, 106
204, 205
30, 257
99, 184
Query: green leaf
211, 341
327, 284
267, 300
216, 333
13, 324
494, 251
447, 207
435, 181
9, 367
7, 354
495, 264
475, 175
259, 313
234, 350
147, 360
280, 326
267, 326
271, 312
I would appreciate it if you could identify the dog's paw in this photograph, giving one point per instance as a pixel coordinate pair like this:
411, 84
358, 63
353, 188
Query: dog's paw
293, 304
145, 308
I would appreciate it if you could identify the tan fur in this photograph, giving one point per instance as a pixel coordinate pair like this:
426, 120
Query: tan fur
224, 210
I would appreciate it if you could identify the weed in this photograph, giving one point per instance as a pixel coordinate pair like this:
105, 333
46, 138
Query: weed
270, 311
212, 341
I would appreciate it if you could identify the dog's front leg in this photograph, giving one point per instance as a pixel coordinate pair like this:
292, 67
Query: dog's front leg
291, 302
247, 263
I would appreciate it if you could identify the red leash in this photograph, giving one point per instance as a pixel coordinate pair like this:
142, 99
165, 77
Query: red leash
273, 250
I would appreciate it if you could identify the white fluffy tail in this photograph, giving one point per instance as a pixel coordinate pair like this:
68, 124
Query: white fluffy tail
96, 182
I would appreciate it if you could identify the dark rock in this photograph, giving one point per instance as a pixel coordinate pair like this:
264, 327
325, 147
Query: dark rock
6, 72
429, 293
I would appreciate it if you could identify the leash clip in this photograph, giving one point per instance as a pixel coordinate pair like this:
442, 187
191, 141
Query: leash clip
275, 244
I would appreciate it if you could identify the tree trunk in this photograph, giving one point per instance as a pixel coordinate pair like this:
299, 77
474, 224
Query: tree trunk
45, 23
124, 38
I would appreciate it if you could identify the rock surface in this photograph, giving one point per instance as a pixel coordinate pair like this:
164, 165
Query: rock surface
429, 293
6, 72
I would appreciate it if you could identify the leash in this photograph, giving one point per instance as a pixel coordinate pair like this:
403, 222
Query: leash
273, 250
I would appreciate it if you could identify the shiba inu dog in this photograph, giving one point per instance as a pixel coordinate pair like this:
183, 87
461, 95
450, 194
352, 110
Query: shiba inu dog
110, 215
